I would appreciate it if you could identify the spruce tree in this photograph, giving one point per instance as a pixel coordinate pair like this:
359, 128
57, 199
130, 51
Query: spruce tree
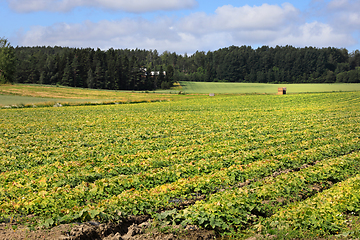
67, 79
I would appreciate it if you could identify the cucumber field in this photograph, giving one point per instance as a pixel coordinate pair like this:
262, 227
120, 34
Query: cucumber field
241, 165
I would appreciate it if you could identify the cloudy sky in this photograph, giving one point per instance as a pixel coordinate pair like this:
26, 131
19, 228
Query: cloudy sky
182, 26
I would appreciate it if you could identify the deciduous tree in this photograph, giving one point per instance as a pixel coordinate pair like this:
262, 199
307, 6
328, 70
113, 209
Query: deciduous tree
7, 62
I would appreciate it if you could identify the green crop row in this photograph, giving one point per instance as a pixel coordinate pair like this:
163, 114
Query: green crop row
59, 175
325, 213
238, 208
74, 135
59, 198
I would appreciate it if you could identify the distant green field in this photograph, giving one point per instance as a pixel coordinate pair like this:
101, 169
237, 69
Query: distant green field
217, 87
38, 94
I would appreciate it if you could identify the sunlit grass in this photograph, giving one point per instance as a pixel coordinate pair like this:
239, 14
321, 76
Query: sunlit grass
35, 94
241, 88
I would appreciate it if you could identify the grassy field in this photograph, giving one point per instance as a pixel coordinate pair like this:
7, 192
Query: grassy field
37, 94
236, 88
22, 94
8, 100
243, 165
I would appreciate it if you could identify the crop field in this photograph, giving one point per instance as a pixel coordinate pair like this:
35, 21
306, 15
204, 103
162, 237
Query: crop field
246, 165
220, 87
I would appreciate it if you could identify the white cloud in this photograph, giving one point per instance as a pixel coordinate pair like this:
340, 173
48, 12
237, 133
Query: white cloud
314, 34
126, 33
262, 17
134, 6
259, 25
345, 14
229, 18
341, 5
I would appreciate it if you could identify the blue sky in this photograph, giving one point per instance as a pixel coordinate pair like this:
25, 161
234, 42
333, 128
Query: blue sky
182, 26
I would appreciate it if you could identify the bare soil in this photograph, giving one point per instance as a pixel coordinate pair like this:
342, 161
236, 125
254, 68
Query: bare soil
137, 228
11, 231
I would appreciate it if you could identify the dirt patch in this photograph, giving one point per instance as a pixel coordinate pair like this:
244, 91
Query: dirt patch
136, 231
136, 228
10, 231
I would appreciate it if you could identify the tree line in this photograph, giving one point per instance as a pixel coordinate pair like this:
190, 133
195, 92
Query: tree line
125, 69
265, 64
89, 68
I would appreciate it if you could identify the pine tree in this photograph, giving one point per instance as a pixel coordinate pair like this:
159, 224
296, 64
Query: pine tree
99, 76
161, 77
75, 72
67, 78
118, 80
90, 79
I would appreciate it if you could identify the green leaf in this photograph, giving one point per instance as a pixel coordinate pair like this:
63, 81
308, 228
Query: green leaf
350, 208
94, 213
201, 220
212, 222
48, 222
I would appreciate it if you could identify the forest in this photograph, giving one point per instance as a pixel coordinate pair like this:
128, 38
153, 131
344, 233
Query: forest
136, 69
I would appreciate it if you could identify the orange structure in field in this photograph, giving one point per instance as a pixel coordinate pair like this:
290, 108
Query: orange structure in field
282, 91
